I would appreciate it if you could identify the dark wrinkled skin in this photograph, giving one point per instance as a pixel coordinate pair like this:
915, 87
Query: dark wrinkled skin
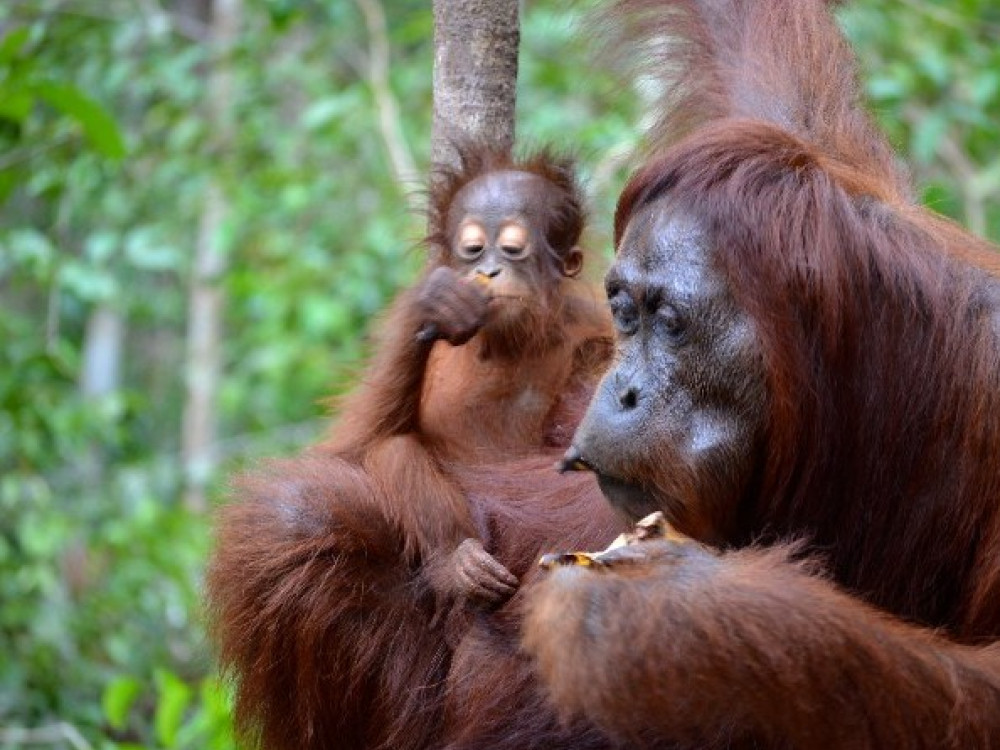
687, 388
501, 198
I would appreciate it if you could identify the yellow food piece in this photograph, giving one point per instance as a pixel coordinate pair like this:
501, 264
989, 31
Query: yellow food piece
567, 559
653, 526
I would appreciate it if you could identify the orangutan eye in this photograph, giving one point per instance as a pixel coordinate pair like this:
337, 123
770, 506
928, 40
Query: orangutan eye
623, 311
470, 252
471, 241
671, 321
513, 241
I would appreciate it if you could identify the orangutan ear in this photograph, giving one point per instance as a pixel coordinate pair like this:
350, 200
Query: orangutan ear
573, 262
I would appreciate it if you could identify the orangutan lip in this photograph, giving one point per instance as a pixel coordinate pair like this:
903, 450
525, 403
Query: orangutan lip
634, 500
631, 498
573, 460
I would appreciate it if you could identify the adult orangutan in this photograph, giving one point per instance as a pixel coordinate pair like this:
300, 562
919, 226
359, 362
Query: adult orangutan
807, 383
344, 579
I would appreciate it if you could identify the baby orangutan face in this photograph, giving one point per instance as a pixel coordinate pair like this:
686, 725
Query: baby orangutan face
499, 223
510, 248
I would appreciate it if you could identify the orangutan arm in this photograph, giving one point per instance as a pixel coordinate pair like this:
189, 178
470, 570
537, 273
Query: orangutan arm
696, 647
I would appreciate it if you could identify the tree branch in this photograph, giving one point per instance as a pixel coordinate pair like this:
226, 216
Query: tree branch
47, 735
385, 101
965, 172
968, 179
949, 18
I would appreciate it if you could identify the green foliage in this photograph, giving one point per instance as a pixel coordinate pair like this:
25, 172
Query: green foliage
932, 72
107, 149
100, 129
185, 717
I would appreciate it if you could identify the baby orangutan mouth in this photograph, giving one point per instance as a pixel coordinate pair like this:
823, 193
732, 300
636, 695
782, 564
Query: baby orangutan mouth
653, 527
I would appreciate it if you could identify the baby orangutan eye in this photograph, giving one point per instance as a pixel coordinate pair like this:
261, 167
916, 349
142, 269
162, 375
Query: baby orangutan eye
513, 241
471, 241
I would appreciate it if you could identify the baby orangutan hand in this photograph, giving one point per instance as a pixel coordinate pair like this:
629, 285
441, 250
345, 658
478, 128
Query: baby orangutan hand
452, 307
479, 577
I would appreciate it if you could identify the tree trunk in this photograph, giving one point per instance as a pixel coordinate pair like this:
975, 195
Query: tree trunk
100, 376
205, 303
475, 73
385, 101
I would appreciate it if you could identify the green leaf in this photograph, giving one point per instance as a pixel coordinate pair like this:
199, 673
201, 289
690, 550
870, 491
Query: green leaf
324, 111
31, 250
174, 697
146, 251
100, 246
216, 697
984, 87
118, 698
13, 42
882, 88
927, 135
9, 179
88, 282
15, 104
98, 125
935, 65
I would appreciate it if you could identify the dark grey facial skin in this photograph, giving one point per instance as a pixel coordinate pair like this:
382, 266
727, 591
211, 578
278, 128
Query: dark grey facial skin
674, 423
496, 201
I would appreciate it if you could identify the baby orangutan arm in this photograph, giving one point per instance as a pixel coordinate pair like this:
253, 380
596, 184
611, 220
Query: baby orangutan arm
442, 305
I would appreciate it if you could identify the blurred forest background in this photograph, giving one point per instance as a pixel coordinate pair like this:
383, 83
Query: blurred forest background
199, 220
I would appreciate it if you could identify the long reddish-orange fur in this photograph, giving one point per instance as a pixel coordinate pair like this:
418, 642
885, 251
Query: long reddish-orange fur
324, 587
880, 326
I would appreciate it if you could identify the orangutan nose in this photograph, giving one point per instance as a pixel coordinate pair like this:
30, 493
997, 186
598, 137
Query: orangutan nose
628, 398
490, 272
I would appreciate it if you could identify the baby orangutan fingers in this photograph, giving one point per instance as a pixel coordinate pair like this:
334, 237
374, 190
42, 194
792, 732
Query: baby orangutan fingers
479, 577
452, 308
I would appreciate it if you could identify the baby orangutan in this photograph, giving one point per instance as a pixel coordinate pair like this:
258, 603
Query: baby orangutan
340, 577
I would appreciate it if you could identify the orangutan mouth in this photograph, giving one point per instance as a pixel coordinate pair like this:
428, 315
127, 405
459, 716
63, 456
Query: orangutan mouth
630, 498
